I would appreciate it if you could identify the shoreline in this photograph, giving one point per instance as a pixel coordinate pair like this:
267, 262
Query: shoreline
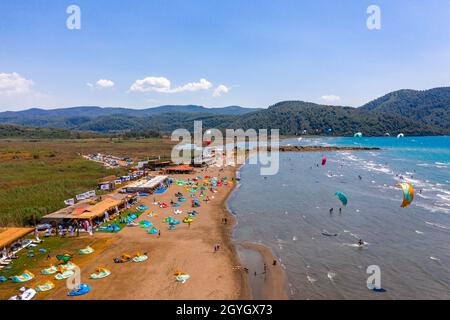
274, 286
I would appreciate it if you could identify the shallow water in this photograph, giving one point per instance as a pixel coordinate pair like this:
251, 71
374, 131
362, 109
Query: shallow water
289, 211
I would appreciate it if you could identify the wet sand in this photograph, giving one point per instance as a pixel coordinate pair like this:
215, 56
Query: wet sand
271, 281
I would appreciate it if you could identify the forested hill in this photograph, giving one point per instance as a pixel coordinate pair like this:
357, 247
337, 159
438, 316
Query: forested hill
408, 111
430, 106
293, 117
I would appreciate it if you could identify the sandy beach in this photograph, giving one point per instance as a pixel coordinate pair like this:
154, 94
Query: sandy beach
190, 249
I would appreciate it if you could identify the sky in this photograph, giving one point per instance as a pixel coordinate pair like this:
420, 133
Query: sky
252, 53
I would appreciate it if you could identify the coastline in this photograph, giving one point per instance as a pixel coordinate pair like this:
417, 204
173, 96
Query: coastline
274, 285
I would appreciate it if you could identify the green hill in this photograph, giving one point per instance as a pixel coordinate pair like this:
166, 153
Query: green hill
430, 106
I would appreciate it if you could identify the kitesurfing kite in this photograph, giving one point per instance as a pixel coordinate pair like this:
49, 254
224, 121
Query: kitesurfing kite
408, 193
342, 198
358, 135
324, 160
400, 135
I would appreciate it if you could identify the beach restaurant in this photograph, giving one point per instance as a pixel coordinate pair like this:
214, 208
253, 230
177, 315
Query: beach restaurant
181, 169
90, 210
11, 239
147, 185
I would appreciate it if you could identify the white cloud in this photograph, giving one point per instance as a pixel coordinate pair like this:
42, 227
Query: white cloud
104, 83
331, 98
221, 89
13, 83
101, 84
163, 85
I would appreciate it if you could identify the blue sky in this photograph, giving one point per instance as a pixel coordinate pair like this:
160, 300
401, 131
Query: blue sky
215, 53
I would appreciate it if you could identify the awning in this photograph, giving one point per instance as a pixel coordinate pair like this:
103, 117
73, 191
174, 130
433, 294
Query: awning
10, 235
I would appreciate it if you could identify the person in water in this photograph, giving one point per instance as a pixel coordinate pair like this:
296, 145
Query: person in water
360, 242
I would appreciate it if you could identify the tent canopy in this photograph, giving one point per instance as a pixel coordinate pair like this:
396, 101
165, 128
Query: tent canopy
10, 235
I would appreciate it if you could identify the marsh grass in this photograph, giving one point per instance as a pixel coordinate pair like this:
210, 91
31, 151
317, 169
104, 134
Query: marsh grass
36, 176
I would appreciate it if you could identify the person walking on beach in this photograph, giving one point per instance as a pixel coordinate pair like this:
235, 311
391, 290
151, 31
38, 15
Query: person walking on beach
340, 210
159, 233
331, 210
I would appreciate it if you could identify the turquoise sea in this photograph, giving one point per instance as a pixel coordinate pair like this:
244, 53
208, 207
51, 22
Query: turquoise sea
289, 212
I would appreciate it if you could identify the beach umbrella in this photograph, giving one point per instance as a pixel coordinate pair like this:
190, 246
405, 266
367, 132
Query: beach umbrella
324, 160
400, 135
342, 198
408, 193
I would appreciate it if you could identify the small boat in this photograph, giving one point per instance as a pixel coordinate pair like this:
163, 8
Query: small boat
81, 290
101, 273
45, 287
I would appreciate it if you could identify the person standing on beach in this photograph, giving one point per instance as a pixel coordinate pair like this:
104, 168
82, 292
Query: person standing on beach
331, 210
159, 233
